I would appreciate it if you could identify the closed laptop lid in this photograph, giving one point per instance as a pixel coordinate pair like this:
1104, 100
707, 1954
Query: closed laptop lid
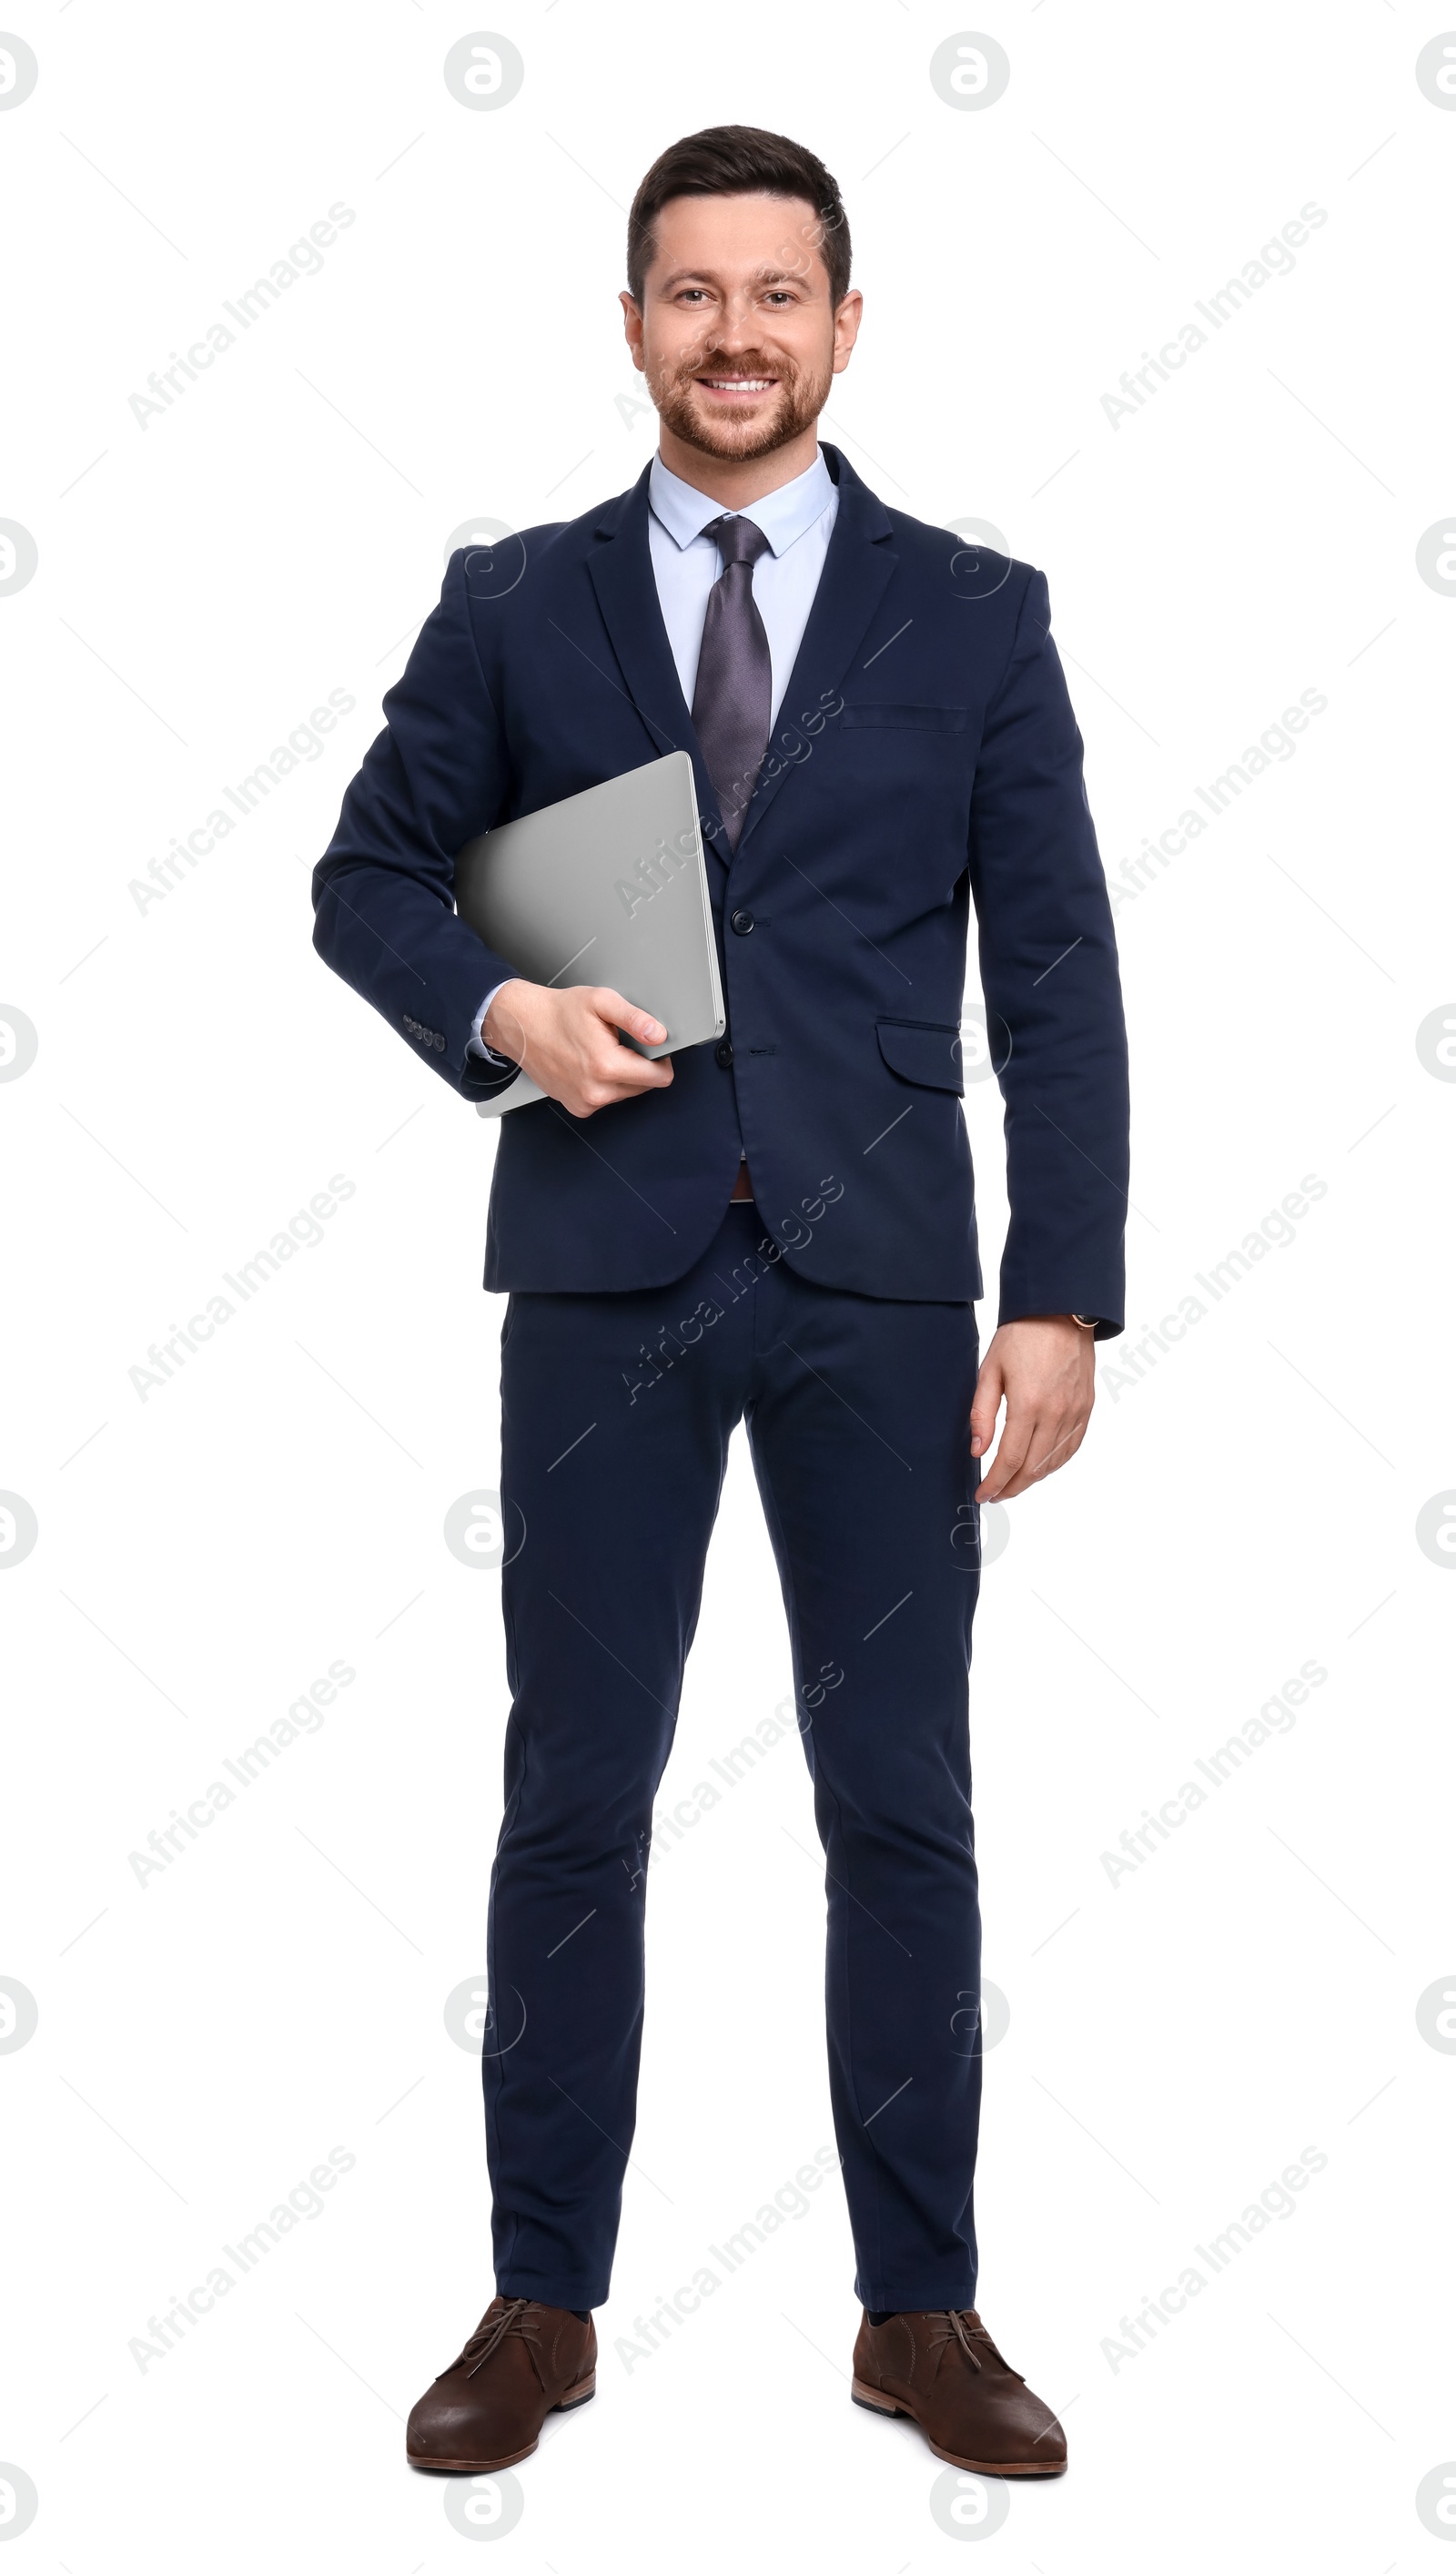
607, 887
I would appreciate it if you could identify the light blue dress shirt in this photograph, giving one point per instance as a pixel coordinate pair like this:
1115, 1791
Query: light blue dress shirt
798, 521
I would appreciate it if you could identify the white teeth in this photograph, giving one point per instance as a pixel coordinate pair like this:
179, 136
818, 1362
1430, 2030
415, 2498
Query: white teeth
738, 383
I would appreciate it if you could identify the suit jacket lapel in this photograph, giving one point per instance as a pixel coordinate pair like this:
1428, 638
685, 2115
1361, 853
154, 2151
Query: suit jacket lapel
627, 593
858, 569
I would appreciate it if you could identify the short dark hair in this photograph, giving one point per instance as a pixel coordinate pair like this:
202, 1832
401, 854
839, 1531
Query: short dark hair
739, 161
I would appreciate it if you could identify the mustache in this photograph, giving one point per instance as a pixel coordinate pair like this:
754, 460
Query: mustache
713, 362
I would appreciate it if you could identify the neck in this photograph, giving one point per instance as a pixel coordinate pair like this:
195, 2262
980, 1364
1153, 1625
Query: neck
732, 480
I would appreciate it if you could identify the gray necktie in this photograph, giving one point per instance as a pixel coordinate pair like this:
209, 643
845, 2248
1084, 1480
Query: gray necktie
732, 698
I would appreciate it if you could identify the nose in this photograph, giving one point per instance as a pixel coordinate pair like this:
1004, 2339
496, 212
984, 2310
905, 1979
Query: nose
738, 323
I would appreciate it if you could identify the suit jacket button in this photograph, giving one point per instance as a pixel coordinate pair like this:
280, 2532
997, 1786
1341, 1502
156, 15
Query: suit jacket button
741, 922
722, 1053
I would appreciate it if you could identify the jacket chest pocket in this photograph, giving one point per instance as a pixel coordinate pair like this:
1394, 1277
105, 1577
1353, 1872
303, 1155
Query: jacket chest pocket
887, 718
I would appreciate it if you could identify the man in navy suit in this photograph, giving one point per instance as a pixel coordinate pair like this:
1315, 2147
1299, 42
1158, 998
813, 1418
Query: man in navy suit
777, 1229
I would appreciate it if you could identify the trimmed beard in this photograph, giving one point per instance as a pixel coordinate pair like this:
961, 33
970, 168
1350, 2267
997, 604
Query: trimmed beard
801, 398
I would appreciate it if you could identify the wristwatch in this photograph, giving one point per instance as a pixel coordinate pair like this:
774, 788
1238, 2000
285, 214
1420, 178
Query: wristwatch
1088, 1322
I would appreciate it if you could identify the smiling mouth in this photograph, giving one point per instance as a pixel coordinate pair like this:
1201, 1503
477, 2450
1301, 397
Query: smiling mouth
738, 385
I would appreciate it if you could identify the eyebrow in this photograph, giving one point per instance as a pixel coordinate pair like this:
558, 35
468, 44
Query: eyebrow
765, 276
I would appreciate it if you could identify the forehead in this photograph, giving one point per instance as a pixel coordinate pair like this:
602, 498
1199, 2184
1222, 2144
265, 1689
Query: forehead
732, 238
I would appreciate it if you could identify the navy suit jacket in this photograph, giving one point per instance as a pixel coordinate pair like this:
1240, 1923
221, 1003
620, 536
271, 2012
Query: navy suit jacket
925, 759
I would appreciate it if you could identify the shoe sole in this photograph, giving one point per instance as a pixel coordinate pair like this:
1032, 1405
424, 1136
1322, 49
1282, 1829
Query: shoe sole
580, 2395
874, 2402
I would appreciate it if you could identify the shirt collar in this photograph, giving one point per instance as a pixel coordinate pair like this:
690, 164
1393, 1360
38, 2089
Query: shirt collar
784, 516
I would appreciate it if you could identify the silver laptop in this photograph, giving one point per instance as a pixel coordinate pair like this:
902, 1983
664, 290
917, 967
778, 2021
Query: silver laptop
607, 887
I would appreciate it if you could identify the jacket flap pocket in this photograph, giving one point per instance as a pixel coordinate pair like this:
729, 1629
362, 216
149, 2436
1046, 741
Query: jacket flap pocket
924, 1050
907, 719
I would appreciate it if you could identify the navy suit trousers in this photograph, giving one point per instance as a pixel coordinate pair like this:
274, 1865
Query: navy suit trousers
616, 1411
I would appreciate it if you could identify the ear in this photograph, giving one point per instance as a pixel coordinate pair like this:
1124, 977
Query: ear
847, 315
632, 322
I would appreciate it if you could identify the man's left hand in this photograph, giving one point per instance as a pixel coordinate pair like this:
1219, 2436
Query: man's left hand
1041, 1369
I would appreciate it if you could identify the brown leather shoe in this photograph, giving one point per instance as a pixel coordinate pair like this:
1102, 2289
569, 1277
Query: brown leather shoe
486, 2410
947, 2374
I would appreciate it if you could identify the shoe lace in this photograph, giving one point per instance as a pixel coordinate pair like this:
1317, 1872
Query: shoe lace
514, 2316
964, 2326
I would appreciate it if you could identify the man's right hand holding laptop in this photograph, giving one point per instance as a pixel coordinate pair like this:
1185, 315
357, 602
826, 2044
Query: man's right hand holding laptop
567, 1043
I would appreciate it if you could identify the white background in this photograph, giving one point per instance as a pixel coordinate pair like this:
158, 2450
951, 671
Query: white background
1177, 2038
